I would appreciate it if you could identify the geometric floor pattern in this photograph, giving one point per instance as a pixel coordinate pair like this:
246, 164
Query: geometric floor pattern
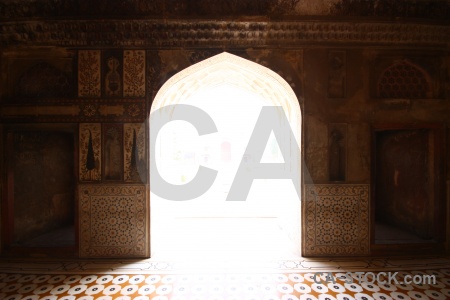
239, 286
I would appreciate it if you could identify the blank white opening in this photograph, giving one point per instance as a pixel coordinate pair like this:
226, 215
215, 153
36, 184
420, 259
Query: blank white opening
265, 227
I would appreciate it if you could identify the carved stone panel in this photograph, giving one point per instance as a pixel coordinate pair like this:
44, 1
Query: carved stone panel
406, 76
212, 33
134, 152
336, 220
112, 73
44, 80
134, 73
90, 152
112, 152
404, 80
337, 151
336, 74
89, 83
113, 221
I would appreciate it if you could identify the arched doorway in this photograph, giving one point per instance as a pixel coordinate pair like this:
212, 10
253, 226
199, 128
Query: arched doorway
232, 91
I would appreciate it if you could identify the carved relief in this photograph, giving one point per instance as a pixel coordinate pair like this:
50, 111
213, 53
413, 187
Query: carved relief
89, 110
134, 73
200, 55
316, 149
135, 109
95, 110
150, 33
336, 74
112, 151
134, 153
90, 152
113, 76
337, 151
395, 9
89, 73
153, 72
113, 221
404, 80
336, 220
43, 80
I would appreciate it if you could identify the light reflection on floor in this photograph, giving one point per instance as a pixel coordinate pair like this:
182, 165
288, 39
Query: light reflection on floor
222, 242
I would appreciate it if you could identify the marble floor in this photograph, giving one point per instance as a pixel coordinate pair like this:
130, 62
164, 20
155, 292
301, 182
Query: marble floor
215, 268
304, 278
239, 286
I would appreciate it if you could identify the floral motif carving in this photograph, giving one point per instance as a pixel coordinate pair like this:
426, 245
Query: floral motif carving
134, 73
89, 110
89, 73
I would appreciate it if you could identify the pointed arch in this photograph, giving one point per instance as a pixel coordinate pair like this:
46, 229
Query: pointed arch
226, 68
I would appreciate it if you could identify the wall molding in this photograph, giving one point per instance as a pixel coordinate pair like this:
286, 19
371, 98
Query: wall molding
207, 33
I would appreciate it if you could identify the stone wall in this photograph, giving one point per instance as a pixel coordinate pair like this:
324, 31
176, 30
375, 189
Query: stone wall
102, 77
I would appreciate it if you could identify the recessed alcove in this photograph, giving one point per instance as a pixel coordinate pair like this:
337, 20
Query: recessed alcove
41, 194
407, 202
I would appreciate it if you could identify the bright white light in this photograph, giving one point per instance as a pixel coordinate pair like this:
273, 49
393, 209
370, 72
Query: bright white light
209, 227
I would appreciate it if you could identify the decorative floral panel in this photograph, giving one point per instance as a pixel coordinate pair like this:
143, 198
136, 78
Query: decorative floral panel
134, 152
134, 73
89, 83
336, 220
113, 221
90, 152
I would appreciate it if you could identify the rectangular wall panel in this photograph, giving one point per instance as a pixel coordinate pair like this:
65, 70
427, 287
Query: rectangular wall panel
90, 152
134, 73
336, 220
89, 82
114, 221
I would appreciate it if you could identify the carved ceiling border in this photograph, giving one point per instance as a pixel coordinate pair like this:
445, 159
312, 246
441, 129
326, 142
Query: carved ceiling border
194, 33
